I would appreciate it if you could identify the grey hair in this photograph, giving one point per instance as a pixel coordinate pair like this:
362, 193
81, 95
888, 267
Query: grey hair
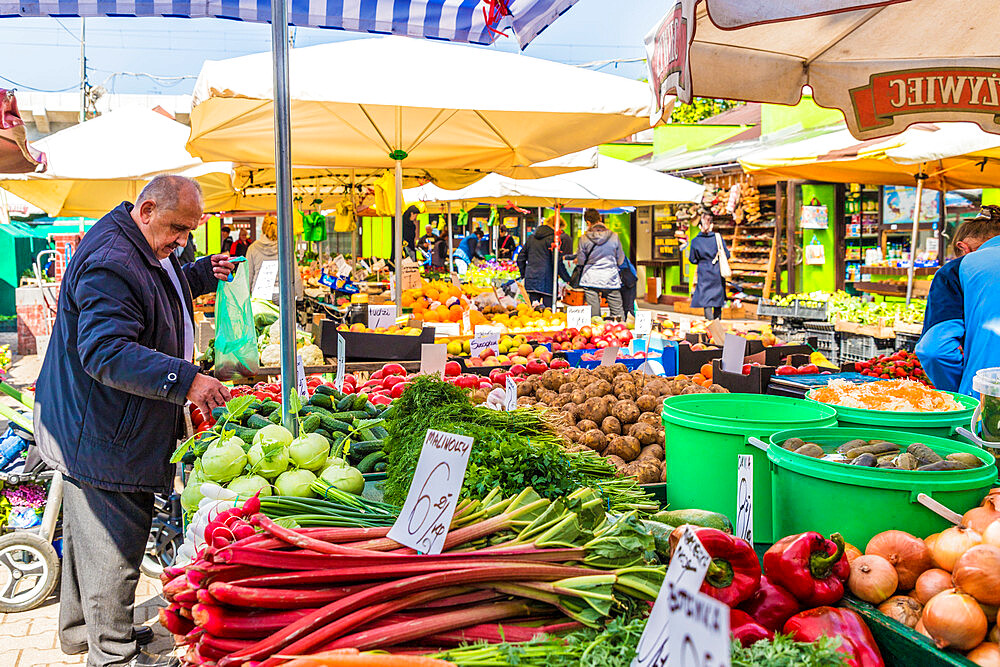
164, 190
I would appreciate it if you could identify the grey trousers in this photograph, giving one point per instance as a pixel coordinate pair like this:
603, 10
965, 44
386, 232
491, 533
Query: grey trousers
614, 297
104, 538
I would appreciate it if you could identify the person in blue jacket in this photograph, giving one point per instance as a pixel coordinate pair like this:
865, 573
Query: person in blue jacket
467, 250
710, 292
961, 332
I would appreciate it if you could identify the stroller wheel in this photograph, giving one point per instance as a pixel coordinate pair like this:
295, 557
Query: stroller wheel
29, 571
161, 548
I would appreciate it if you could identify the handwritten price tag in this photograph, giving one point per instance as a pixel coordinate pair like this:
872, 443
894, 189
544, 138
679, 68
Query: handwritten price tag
744, 497
300, 376
484, 340
643, 322
510, 400
699, 633
577, 316
267, 278
466, 325
687, 569
381, 317
341, 362
430, 505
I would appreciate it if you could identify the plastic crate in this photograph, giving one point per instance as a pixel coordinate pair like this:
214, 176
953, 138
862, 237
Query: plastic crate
827, 339
855, 347
810, 310
765, 308
906, 341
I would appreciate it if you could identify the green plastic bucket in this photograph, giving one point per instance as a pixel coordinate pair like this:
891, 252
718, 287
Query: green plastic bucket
939, 424
705, 433
859, 502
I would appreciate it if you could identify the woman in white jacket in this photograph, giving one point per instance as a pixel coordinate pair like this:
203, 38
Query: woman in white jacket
600, 254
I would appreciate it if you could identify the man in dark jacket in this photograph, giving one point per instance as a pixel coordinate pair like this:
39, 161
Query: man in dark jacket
535, 262
110, 400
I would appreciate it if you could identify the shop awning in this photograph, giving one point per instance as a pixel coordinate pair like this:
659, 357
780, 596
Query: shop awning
16, 154
952, 155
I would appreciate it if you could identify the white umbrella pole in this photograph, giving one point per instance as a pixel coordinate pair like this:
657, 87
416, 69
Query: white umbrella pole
355, 233
556, 250
398, 295
448, 231
283, 184
913, 234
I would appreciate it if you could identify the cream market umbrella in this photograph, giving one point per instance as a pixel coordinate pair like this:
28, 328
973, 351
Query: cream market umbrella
392, 102
94, 166
884, 67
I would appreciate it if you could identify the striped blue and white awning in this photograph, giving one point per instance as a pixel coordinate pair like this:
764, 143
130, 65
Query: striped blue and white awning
470, 21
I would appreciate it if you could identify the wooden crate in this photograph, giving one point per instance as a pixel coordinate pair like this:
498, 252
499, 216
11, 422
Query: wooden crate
880, 330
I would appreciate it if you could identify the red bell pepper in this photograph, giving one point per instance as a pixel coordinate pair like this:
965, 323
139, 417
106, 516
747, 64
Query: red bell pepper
810, 567
734, 573
855, 637
771, 605
745, 629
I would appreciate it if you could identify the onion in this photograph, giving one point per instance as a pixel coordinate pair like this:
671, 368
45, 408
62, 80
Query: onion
954, 620
919, 627
851, 552
978, 518
992, 499
986, 654
989, 609
992, 534
930, 583
873, 579
994, 635
908, 554
901, 608
948, 545
977, 572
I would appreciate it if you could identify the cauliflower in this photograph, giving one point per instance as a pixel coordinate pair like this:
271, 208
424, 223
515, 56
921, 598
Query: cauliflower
271, 355
274, 332
311, 355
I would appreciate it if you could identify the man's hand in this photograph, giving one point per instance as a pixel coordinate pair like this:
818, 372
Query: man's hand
222, 267
206, 392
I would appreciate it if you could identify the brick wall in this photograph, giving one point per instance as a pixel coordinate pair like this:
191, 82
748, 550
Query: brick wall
33, 313
60, 242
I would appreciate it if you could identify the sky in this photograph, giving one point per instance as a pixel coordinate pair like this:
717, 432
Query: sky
44, 54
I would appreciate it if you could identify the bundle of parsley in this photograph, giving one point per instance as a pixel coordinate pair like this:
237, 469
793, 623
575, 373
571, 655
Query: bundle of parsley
511, 450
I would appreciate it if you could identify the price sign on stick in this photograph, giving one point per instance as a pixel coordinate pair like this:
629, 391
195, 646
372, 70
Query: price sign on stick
432, 358
484, 340
643, 322
510, 400
699, 630
300, 376
267, 279
687, 568
430, 504
609, 355
577, 316
341, 362
744, 497
733, 351
381, 316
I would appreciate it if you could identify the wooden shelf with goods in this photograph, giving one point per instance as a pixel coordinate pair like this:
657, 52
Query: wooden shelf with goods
753, 255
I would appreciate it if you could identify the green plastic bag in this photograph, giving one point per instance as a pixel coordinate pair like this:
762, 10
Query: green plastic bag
235, 335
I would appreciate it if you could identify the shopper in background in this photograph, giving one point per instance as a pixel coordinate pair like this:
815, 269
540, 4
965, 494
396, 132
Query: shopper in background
439, 252
241, 244
961, 332
534, 263
410, 232
630, 278
600, 254
110, 405
705, 251
266, 249
428, 240
188, 253
505, 244
467, 250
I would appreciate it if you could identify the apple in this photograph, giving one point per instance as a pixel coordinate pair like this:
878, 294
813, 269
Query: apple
474, 361
452, 369
785, 370
485, 384
545, 355
523, 350
536, 367
559, 364
601, 344
586, 331
518, 359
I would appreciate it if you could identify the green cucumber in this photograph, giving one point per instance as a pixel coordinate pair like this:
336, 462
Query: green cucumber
321, 400
325, 390
366, 447
350, 415
360, 402
218, 414
257, 421
275, 417
379, 432
268, 406
369, 461
379, 467
371, 409
311, 423
323, 432
243, 433
332, 425
695, 517
345, 403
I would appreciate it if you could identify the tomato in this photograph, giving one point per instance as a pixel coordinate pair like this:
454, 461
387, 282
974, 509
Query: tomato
381, 400
808, 369
393, 369
197, 419
202, 427
392, 380
398, 389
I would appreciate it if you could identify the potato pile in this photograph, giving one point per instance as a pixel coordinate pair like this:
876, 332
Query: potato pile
613, 412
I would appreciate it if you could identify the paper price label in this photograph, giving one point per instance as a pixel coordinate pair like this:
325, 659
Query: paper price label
430, 504
609, 355
445, 329
699, 629
484, 340
411, 275
378, 265
643, 322
510, 400
456, 280
466, 324
300, 376
577, 316
343, 268
687, 569
432, 358
733, 351
267, 280
381, 317
341, 362
744, 497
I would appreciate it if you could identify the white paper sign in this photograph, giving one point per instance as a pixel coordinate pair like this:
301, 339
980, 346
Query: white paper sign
411, 275
430, 504
267, 280
381, 317
687, 568
445, 329
643, 322
378, 265
456, 280
510, 400
609, 355
733, 352
487, 329
300, 376
699, 630
341, 362
484, 341
577, 316
433, 358
744, 497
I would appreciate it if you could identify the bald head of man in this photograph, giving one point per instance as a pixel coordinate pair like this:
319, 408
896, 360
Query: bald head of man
167, 210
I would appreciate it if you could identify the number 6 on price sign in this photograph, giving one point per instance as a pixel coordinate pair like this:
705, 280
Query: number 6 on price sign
430, 504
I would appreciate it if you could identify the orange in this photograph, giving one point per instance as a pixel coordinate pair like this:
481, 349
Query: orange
456, 313
681, 376
476, 317
706, 371
697, 378
407, 300
442, 312
431, 316
431, 293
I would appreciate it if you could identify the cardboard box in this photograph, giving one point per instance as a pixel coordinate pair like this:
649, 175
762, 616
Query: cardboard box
775, 356
373, 346
754, 383
690, 361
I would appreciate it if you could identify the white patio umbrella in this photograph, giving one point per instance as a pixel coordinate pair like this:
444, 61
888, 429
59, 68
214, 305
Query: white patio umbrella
451, 108
885, 67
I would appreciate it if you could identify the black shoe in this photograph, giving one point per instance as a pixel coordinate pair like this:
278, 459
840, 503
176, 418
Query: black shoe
141, 634
144, 659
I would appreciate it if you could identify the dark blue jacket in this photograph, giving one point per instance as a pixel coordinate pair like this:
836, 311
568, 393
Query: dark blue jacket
940, 346
710, 292
535, 260
470, 246
110, 395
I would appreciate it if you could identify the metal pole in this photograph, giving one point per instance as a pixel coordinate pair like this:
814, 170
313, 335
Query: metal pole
448, 231
556, 251
398, 296
83, 69
913, 234
354, 234
283, 189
